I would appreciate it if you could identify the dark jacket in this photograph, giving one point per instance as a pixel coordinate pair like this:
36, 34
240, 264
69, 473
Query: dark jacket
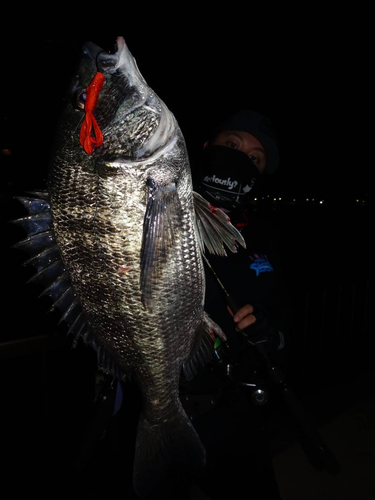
252, 276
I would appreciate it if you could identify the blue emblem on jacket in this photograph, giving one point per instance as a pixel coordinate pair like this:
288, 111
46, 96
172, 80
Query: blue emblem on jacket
261, 265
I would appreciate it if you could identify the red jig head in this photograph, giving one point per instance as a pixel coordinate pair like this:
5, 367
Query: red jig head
87, 140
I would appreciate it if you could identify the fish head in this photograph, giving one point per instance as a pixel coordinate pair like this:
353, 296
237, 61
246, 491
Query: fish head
134, 122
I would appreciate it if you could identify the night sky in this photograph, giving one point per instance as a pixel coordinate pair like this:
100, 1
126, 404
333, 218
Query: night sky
308, 77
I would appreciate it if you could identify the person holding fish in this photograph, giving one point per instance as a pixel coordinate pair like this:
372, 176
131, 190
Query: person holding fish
227, 405
116, 238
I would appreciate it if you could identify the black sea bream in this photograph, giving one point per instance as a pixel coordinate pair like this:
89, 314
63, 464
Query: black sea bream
118, 236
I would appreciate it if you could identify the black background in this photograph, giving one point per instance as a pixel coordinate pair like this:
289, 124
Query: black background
305, 68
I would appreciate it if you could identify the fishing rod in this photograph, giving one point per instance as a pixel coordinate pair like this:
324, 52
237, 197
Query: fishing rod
303, 419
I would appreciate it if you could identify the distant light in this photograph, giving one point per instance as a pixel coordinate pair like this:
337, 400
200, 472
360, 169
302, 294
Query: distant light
279, 199
321, 202
6, 152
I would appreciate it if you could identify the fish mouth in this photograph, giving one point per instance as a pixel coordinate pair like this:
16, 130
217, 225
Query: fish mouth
109, 63
120, 61
122, 66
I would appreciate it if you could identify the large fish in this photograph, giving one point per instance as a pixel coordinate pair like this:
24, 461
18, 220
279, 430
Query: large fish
118, 237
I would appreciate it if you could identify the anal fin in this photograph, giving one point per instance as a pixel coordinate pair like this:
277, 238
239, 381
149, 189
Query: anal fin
203, 350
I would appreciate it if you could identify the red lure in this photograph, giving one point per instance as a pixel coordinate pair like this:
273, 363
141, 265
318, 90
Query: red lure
87, 140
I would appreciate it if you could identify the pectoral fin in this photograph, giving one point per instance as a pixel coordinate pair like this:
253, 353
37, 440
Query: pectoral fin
214, 228
161, 220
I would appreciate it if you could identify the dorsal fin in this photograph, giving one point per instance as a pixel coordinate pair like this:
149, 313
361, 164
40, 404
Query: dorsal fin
45, 257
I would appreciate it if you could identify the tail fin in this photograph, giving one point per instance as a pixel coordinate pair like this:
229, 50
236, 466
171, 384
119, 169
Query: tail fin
164, 449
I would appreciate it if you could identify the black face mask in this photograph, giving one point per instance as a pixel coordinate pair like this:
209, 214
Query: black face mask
227, 177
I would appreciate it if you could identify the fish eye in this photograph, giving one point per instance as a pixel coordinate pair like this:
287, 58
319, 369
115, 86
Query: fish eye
80, 98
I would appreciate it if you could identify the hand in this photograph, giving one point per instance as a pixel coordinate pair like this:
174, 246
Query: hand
261, 329
244, 317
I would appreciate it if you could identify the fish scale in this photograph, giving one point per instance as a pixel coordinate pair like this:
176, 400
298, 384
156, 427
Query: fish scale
101, 251
119, 249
